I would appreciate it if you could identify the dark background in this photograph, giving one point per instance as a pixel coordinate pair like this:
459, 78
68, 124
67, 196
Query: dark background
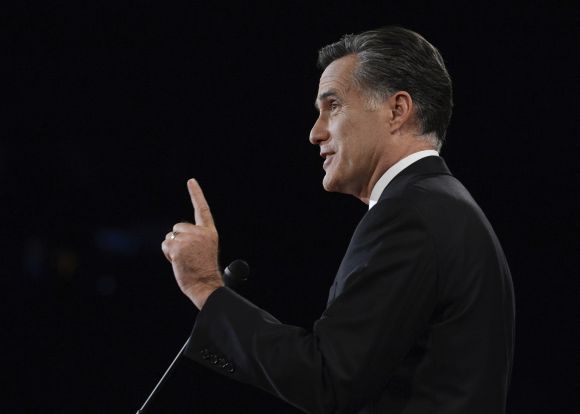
109, 108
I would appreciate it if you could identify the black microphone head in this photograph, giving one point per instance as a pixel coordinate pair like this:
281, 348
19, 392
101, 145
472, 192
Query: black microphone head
236, 273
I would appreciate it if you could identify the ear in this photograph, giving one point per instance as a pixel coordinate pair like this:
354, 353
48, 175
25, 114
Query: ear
400, 110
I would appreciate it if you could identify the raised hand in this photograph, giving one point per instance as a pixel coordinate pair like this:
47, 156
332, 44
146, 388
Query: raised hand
192, 250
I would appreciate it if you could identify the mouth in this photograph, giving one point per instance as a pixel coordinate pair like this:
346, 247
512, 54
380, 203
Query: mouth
327, 158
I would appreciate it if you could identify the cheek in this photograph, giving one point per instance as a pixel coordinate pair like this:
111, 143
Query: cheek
348, 151
341, 134
348, 138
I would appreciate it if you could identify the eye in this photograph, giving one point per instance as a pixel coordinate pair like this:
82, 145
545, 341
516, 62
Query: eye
333, 105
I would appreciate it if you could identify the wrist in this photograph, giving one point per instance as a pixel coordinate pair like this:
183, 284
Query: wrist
199, 292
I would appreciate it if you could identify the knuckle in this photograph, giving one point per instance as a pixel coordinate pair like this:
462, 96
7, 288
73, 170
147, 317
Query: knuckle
182, 226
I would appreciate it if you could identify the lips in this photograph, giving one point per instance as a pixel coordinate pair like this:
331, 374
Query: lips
327, 158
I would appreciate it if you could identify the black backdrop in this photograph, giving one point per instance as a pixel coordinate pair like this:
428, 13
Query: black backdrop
109, 108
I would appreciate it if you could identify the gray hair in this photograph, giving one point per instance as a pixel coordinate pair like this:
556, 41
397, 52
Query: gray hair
393, 59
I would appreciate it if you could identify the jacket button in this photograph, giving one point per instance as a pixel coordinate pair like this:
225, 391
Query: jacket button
213, 359
204, 353
229, 367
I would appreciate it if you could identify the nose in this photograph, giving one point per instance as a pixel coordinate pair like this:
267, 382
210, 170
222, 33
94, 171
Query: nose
319, 132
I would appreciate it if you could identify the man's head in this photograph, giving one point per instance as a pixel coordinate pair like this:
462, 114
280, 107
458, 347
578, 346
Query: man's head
383, 94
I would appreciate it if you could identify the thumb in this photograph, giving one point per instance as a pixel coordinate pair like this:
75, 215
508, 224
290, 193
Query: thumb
203, 215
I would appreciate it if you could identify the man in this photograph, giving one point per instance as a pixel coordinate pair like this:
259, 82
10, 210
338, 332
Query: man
420, 316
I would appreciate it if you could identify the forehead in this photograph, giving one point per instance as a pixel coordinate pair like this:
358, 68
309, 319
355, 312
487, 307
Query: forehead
337, 76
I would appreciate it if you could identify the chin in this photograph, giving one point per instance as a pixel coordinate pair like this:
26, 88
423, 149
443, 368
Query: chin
340, 184
330, 184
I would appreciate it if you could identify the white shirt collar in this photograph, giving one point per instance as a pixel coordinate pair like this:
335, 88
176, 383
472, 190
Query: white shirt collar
395, 169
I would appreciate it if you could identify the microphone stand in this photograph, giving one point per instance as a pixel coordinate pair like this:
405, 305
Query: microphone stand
234, 274
163, 378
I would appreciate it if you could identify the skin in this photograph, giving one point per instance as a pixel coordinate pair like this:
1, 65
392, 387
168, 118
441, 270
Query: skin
193, 252
358, 143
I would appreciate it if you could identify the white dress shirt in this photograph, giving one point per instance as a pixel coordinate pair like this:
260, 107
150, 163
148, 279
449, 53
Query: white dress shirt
395, 169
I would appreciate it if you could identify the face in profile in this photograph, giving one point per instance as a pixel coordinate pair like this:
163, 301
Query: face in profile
359, 142
350, 135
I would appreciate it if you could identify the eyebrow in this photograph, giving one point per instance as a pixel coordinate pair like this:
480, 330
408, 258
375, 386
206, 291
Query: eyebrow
325, 95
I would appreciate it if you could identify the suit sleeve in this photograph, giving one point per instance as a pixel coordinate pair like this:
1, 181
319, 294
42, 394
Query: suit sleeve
357, 343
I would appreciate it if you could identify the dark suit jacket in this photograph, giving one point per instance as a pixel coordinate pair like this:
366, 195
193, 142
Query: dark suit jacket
420, 317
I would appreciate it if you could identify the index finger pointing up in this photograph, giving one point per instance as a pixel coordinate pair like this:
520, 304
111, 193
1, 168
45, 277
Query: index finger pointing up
203, 215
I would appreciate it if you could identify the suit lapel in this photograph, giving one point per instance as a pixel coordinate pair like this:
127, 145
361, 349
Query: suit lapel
424, 167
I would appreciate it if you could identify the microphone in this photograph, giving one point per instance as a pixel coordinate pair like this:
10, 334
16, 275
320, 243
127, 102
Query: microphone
234, 275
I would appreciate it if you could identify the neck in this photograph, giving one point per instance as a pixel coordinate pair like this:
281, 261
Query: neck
387, 162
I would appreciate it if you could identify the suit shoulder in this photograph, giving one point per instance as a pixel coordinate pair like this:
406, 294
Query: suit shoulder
430, 192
